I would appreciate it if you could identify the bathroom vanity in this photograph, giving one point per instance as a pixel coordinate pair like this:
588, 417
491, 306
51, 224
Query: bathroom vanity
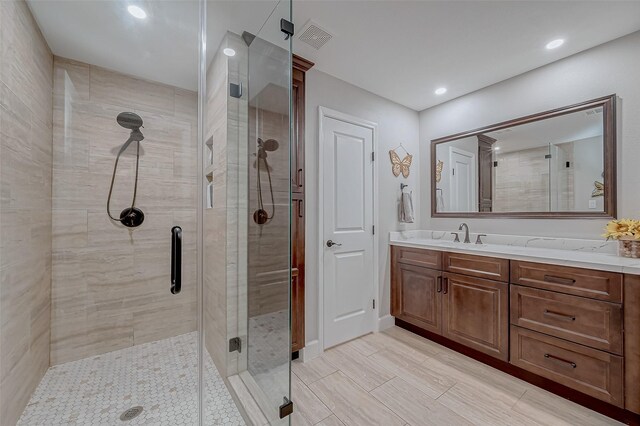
566, 320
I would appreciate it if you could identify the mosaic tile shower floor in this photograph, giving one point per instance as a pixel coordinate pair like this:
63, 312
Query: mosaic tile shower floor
159, 376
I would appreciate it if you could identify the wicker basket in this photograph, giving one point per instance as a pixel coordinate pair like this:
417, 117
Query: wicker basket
629, 248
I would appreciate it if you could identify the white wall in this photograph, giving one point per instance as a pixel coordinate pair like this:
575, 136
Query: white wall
603, 70
395, 124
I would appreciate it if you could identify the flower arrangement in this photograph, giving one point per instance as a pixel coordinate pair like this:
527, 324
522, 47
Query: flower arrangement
627, 232
618, 229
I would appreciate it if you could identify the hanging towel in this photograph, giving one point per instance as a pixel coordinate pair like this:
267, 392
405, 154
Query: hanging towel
406, 208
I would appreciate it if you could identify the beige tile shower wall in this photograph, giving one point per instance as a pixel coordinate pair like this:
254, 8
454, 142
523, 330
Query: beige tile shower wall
522, 181
224, 226
25, 207
215, 219
110, 283
268, 250
224, 251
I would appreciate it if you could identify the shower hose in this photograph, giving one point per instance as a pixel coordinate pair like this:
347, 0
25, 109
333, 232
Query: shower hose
113, 178
260, 203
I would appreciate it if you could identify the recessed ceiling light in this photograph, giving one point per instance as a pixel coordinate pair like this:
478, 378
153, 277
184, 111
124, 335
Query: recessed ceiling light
497, 148
229, 51
137, 12
555, 43
441, 91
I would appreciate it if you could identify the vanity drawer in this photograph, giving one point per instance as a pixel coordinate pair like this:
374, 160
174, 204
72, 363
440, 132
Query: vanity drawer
589, 322
418, 257
587, 370
577, 281
477, 266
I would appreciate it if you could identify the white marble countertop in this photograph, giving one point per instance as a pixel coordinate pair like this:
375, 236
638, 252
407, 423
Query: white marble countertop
590, 254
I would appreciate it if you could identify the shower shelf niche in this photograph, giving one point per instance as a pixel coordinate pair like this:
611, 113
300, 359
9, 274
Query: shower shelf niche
209, 151
208, 170
209, 195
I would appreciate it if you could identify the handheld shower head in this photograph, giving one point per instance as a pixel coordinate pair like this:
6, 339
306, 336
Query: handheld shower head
269, 144
264, 147
132, 216
129, 120
132, 121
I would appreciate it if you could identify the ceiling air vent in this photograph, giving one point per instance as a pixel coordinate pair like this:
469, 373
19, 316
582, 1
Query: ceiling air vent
594, 111
314, 36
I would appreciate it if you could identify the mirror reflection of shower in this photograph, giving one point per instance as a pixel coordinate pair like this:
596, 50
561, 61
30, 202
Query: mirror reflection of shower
261, 216
132, 216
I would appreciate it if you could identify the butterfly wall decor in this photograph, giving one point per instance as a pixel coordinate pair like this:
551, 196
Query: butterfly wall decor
400, 165
599, 188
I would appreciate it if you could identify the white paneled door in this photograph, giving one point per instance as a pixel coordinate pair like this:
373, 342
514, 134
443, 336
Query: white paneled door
348, 270
463, 180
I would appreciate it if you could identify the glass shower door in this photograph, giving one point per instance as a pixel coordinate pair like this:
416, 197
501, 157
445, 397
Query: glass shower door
113, 281
246, 197
268, 262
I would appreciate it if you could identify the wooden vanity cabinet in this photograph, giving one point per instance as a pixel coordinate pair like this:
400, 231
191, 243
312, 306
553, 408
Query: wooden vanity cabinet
416, 298
476, 313
572, 331
466, 309
490, 268
593, 323
601, 285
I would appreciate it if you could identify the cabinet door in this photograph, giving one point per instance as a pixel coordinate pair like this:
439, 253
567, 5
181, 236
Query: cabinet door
476, 313
297, 272
297, 312
416, 297
297, 140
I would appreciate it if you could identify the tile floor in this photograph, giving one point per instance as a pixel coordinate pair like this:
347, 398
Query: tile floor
390, 378
159, 376
399, 378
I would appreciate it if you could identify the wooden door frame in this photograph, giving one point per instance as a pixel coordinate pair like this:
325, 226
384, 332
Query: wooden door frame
324, 112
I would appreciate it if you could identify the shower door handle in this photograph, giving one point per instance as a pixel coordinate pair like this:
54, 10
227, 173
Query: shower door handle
176, 259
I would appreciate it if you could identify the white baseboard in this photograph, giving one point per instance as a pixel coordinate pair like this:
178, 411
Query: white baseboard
310, 351
386, 322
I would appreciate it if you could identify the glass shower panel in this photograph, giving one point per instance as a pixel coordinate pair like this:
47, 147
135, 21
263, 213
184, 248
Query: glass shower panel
268, 262
246, 198
117, 98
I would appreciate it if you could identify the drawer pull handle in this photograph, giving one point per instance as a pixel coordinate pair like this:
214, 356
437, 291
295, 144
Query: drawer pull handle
439, 285
559, 315
559, 280
564, 361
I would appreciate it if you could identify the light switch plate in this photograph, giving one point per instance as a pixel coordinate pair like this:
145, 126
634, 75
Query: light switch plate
592, 204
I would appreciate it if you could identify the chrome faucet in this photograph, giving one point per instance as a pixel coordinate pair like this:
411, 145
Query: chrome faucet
466, 232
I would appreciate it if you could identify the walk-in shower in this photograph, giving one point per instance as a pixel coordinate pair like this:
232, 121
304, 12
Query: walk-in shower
160, 311
130, 217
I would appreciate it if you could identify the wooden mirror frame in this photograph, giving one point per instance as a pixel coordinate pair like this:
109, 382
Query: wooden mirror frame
608, 104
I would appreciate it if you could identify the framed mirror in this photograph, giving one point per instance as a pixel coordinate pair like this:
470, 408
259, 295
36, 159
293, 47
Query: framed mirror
554, 164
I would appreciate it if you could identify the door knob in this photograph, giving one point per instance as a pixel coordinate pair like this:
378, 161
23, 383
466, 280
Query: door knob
331, 244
